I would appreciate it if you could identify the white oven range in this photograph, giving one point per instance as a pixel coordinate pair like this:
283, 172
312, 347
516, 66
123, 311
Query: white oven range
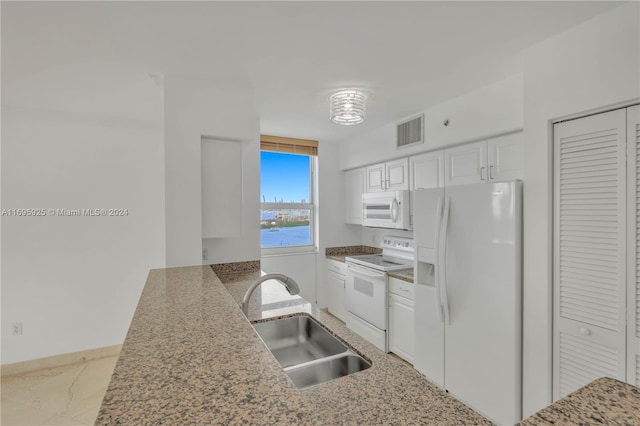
367, 288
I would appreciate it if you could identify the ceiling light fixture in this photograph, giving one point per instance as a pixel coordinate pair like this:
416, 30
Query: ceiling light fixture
347, 107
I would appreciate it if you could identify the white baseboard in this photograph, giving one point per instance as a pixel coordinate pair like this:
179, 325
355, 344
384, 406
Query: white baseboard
59, 360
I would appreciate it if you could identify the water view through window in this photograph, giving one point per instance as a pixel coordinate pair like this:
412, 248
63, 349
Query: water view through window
285, 186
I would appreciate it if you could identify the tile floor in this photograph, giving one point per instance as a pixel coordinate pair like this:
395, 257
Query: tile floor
70, 395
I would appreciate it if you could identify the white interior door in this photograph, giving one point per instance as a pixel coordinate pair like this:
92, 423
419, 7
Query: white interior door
633, 245
589, 250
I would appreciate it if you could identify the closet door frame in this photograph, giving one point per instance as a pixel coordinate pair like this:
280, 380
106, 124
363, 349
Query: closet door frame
585, 334
633, 245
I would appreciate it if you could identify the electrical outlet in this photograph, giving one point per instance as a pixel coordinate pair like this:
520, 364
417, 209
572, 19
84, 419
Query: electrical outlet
205, 254
16, 328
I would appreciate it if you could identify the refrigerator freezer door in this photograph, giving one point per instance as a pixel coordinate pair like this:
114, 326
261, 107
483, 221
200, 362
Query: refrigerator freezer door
428, 321
428, 330
427, 212
483, 265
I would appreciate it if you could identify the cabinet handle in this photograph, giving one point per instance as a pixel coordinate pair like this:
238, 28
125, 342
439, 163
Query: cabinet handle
482, 173
584, 331
491, 171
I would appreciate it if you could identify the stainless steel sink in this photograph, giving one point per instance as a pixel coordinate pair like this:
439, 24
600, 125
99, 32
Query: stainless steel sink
323, 370
308, 352
299, 339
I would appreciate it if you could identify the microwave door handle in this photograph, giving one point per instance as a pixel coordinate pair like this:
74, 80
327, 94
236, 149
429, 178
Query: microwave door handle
394, 210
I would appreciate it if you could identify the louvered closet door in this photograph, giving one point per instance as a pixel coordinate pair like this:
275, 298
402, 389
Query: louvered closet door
589, 251
633, 245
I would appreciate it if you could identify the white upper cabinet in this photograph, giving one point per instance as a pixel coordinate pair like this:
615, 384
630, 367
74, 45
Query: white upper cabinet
466, 164
354, 188
376, 178
389, 176
485, 161
427, 170
506, 157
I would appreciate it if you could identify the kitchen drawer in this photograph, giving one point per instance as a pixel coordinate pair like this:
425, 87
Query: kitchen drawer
401, 288
336, 266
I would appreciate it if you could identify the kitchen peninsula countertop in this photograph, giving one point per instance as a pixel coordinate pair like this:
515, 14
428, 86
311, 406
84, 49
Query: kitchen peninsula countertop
604, 401
191, 357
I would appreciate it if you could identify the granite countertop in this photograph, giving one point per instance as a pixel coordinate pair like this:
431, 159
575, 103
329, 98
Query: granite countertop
403, 274
604, 401
191, 357
339, 253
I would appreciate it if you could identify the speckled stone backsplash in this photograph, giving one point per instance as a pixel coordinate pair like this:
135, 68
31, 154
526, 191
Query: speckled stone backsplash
351, 250
233, 267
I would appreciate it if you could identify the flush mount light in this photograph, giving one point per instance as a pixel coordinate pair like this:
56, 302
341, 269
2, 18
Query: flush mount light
347, 107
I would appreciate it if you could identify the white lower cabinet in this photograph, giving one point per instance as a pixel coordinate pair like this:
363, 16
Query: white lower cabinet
336, 276
401, 326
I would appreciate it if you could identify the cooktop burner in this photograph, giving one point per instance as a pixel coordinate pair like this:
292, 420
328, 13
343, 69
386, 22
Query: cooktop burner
397, 253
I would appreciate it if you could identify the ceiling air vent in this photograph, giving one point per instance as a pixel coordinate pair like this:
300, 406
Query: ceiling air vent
410, 131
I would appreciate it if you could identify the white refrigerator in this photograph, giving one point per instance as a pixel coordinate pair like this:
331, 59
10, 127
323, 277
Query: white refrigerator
468, 294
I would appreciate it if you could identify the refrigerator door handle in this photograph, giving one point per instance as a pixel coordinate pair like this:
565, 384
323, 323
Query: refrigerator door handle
436, 272
442, 261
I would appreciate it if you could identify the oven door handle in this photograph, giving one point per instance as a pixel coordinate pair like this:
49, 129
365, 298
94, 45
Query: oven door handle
365, 272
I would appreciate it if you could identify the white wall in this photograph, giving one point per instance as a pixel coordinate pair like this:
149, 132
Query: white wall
194, 108
590, 67
300, 266
74, 282
482, 113
331, 213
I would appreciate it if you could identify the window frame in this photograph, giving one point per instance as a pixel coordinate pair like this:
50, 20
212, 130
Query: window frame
310, 205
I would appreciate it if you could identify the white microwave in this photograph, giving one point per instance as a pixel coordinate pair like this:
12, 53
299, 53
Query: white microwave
386, 210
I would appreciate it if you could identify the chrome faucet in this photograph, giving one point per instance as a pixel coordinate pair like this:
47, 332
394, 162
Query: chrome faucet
288, 282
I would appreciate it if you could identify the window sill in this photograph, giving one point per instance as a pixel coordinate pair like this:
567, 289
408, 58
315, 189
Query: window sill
288, 251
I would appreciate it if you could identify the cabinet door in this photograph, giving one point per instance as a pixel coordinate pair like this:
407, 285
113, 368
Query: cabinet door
589, 251
466, 164
354, 188
401, 327
397, 173
376, 178
633, 245
427, 170
505, 157
335, 286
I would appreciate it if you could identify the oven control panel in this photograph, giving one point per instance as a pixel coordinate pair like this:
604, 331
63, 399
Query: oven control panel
397, 243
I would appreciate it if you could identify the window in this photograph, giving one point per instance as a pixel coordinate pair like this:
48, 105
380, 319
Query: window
286, 188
